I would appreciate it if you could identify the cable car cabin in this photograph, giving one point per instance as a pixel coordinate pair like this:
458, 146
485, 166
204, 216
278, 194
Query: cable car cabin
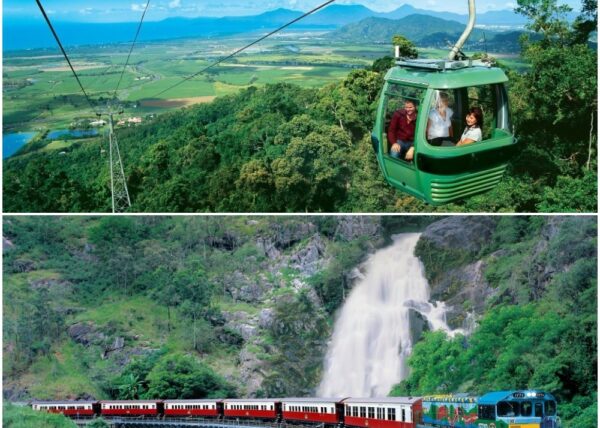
517, 409
204, 408
388, 412
319, 410
443, 93
458, 411
67, 408
130, 408
252, 408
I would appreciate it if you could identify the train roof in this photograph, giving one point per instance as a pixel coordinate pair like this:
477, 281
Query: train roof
131, 401
383, 400
252, 400
313, 399
200, 400
495, 397
71, 402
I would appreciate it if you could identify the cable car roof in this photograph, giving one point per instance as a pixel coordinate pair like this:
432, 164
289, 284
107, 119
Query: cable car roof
448, 79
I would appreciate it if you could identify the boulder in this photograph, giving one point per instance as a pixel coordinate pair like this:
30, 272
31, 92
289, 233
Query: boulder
352, 227
86, 334
309, 260
465, 233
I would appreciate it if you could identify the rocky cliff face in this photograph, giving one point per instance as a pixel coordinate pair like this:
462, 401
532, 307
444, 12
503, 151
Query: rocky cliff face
461, 262
291, 257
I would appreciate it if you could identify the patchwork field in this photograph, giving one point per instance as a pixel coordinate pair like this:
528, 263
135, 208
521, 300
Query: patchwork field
41, 93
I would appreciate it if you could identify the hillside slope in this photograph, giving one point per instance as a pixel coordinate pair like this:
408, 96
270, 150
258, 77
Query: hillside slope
121, 306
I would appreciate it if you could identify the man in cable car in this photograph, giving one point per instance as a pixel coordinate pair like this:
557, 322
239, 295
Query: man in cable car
401, 134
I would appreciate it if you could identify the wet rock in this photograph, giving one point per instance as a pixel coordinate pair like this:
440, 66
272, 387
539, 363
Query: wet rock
465, 233
464, 290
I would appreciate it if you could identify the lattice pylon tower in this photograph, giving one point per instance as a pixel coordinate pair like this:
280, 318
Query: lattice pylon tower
118, 181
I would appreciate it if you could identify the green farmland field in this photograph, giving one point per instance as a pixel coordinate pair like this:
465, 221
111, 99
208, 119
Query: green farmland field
41, 93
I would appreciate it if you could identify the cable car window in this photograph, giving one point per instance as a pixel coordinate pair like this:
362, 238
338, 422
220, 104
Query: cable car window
402, 105
441, 119
508, 408
550, 408
447, 115
526, 408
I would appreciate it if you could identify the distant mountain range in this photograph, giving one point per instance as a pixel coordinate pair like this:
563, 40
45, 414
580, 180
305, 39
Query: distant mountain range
414, 27
34, 33
427, 31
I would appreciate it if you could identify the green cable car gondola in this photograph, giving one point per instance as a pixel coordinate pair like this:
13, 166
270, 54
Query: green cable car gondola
440, 171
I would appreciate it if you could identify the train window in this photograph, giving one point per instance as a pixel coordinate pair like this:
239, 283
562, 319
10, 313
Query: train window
403, 415
380, 413
550, 408
486, 411
391, 414
371, 412
508, 408
539, 410
526, 408
363, 412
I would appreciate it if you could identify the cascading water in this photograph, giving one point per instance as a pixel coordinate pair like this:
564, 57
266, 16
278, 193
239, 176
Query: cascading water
372, 337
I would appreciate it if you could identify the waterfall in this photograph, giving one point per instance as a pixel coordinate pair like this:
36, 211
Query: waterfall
372, 336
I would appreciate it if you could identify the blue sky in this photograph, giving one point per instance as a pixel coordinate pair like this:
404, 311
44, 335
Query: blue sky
123, 10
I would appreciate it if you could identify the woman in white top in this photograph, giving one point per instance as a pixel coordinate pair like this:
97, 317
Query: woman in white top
439, 125
472, 132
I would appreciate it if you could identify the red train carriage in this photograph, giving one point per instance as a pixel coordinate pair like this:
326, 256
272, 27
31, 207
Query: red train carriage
252, 408
389, 412
204, 408
67, 408
130, 408
319, 410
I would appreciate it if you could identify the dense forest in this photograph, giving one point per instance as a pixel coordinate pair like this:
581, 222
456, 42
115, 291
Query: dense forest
539, 330
282, 148
133, 307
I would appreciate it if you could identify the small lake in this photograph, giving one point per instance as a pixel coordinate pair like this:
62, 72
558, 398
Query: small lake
74, 133
13, 142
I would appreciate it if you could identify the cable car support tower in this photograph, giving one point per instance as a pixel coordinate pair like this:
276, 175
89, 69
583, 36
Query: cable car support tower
118, 182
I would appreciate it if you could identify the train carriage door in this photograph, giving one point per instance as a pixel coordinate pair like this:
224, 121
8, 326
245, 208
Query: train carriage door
339, 411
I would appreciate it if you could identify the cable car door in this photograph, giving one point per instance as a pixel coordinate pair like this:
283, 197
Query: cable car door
399, 172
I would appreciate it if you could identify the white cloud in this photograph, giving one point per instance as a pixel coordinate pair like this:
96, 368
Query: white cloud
138, 7
175, 4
